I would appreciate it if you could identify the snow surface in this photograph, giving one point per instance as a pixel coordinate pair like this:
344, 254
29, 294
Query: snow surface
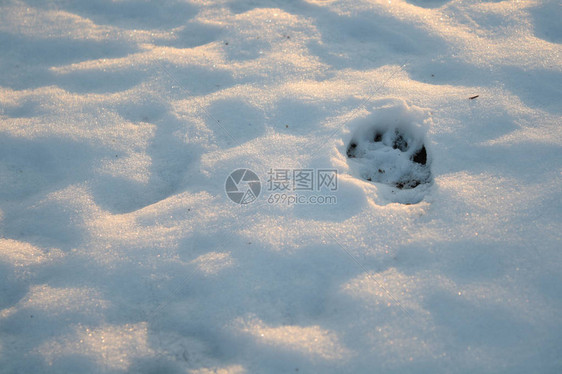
120, 252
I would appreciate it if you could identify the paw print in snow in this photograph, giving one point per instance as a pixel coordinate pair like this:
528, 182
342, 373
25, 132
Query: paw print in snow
390, 150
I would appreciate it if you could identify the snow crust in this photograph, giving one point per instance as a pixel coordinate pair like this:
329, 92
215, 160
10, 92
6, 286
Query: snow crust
120, 251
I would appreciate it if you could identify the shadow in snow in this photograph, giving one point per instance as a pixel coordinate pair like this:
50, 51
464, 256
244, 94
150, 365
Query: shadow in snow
129, 14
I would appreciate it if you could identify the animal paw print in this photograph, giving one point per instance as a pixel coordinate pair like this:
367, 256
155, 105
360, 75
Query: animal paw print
391, 155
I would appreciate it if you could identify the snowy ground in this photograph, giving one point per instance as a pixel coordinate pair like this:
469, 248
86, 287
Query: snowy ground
120, 121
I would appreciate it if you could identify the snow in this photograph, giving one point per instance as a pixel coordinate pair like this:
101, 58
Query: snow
121, 120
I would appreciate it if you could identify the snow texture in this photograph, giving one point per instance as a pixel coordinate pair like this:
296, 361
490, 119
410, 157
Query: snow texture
121, 120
